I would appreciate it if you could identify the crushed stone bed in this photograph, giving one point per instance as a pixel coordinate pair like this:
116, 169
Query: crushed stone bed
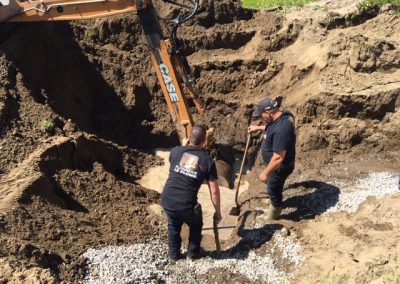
148, 262
375, 184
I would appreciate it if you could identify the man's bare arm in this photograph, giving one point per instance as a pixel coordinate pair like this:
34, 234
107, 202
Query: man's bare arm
215, 198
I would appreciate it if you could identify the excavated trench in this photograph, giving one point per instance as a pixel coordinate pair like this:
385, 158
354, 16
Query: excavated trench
81, 114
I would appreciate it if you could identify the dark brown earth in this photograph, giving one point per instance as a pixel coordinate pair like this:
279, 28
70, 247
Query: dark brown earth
81, 109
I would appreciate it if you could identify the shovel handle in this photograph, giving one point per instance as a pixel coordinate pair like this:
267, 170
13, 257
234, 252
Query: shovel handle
216, 236
241, 168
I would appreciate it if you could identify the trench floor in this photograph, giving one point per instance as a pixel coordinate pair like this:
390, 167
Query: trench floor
156, 177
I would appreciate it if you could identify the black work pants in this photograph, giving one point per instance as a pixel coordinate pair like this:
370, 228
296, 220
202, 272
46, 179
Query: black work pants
175, 221
275, 183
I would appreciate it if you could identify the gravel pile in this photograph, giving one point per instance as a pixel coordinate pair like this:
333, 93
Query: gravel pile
138, 263
375, 184
148, 262
289, 249
250, 265
309, 198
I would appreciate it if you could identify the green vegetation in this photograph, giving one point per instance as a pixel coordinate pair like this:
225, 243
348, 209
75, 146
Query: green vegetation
274, 3
260, 4
47, 125
372, 3
393, 277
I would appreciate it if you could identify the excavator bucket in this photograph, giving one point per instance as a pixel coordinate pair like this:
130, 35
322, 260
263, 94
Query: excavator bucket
175, 77
223, 158
224, 171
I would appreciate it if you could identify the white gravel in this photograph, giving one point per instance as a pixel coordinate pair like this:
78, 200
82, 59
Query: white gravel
148, 262
375, 184
138, 263
290, 250
250, 265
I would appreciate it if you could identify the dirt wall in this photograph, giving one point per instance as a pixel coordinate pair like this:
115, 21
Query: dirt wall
91, 84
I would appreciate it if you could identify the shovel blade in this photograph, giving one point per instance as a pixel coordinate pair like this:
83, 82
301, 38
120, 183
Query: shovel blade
235, 211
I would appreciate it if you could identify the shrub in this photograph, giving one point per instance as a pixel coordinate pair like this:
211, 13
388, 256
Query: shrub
47, 126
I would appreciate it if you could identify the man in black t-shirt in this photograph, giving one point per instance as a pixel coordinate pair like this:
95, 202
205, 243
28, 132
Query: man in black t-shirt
278, 150
189, 167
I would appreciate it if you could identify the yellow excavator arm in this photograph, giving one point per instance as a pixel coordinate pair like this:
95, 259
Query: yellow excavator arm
167, 56
169, 63
62, 10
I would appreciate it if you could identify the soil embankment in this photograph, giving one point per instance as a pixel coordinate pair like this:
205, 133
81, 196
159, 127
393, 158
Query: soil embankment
81, 108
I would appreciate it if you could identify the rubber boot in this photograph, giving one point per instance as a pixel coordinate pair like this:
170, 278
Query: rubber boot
274, 212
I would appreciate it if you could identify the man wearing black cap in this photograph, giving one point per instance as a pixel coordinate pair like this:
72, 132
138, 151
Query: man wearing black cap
189, 167
277, 149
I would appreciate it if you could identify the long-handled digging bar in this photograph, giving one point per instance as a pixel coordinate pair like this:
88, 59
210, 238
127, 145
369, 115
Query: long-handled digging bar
216, 236
235, 211
215, 229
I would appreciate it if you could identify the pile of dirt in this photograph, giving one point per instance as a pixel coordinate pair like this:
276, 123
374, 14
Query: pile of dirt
80, 107
69, 195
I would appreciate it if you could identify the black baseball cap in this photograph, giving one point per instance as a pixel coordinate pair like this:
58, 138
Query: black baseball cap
265, 105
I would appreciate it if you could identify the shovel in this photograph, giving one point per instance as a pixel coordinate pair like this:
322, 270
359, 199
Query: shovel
235, 211
216, 235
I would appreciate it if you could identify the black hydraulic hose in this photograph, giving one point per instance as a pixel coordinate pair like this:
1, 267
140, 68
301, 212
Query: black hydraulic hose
178, 4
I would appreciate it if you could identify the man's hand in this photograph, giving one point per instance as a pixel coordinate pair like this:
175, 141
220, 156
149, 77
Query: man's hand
253, 128
185, 142
217, 218
263, 176
275, 163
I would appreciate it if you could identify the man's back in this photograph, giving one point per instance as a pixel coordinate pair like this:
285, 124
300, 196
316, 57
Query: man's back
189, 167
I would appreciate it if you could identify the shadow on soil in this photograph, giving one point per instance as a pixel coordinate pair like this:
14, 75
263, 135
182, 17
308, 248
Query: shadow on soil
80, 154
315, 198
251, 239
310, 198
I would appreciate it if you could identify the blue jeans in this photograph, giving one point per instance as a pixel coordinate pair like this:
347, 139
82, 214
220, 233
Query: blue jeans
175, 222
276, 181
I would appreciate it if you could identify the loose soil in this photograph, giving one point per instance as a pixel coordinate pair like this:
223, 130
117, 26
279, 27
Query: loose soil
81, 112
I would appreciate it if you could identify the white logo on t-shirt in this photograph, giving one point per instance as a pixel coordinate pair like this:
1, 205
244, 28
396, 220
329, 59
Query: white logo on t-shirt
187, 165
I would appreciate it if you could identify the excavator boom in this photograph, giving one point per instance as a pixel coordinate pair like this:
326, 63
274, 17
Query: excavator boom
169, 65
64, 10
167, 57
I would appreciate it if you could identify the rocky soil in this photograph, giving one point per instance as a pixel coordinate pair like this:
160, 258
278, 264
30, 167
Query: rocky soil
81, 111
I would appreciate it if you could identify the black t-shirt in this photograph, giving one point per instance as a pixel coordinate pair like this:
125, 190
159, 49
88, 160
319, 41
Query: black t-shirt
189, 167
280, 135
